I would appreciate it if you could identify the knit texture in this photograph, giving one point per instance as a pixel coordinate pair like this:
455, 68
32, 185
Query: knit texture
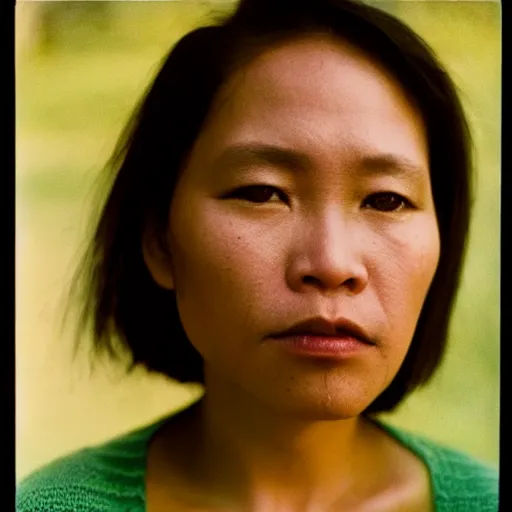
111, 477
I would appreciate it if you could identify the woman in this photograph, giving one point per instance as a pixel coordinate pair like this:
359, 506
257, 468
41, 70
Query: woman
287, 226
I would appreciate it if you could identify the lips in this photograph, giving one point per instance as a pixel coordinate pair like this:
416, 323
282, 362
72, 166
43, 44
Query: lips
322, 327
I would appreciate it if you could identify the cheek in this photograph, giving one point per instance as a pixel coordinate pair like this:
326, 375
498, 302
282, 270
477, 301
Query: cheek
212, 253
221, 271
402, 271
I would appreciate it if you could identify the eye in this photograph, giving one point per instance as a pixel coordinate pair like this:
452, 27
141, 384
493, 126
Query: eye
387, 202
258, 194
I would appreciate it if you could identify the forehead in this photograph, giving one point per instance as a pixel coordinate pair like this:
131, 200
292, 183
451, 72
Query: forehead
320, 60
319, 93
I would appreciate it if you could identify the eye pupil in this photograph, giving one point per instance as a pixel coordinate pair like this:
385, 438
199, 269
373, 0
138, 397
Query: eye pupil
261, 194
387, 202
257, 193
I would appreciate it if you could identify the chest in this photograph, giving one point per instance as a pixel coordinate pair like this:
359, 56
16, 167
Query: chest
415, 496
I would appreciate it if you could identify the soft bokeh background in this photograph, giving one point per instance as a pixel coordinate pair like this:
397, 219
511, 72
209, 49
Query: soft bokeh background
80, 67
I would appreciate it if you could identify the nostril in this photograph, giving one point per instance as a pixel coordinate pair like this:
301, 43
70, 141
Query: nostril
310, 280
350, 283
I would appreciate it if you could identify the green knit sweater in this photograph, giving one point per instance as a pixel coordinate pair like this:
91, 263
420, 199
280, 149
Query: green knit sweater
111, 477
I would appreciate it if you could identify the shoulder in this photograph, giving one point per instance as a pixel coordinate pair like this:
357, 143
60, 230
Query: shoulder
109, 477
460, 481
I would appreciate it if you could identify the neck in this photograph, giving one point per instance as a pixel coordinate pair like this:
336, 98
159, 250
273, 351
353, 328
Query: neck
262, 455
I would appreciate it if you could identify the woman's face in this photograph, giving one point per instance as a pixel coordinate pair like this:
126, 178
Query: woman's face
306, 195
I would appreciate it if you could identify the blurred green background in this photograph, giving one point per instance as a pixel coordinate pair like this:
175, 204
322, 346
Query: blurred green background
80, 68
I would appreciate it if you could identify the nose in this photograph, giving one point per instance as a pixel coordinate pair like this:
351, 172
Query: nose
327, 256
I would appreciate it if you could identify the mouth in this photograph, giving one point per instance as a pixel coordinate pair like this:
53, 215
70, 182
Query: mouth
321, 327
319, 337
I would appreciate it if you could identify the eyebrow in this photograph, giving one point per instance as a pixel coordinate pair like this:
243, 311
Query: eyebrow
391, 164
245, 155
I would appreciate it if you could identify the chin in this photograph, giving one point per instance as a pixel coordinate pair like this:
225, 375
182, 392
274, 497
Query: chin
322, 406
332, 411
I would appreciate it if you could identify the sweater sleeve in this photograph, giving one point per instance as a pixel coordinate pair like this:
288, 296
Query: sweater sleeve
80, 482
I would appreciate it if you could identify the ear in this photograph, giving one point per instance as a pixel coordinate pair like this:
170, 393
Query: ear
158, 262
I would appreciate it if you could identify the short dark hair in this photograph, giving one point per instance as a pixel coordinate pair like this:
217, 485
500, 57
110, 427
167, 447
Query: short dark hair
129, 313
